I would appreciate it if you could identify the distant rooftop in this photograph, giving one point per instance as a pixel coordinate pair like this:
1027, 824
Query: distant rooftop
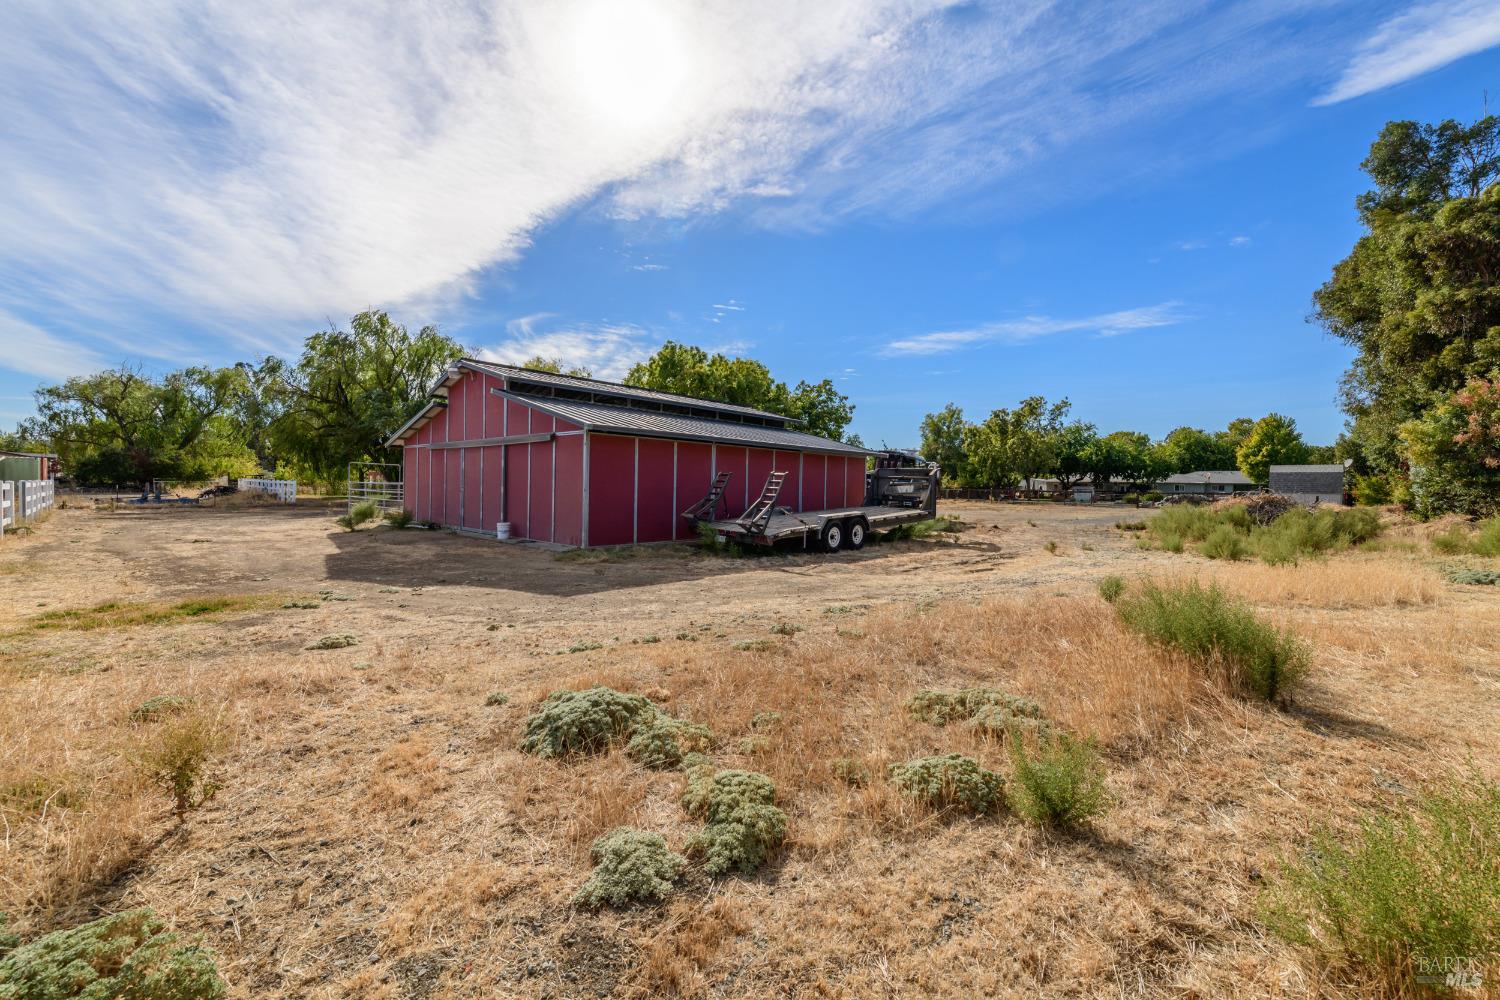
1216, 477
1308, 468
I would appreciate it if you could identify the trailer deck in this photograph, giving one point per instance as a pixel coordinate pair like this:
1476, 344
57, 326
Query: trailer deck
893, 496
809, 524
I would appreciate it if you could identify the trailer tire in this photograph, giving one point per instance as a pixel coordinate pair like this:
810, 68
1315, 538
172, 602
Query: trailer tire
857, 531
832, 536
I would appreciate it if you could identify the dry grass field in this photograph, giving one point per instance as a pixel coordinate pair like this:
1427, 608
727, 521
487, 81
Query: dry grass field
376, 831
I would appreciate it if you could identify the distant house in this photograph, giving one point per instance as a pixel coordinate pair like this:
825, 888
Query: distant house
1309, 484
1215, 481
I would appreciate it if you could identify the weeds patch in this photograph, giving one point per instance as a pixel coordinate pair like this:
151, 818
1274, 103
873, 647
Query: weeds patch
1422, 883
1220, 633
1060, 783
120, 614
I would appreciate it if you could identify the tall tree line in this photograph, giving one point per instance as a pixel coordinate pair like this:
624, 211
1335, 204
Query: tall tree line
1036, 439
338, 402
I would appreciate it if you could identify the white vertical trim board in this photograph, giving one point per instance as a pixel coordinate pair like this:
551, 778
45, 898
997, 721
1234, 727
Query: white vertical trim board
587, 473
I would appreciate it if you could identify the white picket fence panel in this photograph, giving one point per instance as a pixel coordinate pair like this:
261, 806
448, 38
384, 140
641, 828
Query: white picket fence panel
21, 500
36, 496
284, 490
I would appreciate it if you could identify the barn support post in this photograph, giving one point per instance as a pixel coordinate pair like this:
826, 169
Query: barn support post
584, 533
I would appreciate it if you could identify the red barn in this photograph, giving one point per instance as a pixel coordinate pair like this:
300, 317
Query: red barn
580, 461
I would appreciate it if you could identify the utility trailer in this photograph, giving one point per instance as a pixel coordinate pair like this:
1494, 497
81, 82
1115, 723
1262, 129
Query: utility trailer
893, 496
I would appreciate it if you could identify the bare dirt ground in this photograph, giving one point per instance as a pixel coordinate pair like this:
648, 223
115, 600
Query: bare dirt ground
378, 834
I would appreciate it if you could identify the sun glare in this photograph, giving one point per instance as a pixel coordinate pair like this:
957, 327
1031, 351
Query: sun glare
629, 61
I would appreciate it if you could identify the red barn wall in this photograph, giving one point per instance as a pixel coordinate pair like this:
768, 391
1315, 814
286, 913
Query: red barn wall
637, 486
611, 490
655, 518
694, 477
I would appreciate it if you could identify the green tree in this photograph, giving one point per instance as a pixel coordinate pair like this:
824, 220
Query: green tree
1189, 449
351, 390
120, 426
943, 441
692, 371
1418, 296
1273, 441
1071, 443
988, 461
556, 367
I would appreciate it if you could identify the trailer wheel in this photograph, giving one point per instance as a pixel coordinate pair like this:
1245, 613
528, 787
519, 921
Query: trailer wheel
833, 536
858, 531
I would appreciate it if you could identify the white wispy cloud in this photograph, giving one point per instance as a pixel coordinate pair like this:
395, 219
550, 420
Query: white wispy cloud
1417, 41
1028, 328
1240, 241
606, 350
33, 351
253, 168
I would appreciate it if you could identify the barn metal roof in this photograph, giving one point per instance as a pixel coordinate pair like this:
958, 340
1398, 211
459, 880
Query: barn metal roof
648, 423
598, 387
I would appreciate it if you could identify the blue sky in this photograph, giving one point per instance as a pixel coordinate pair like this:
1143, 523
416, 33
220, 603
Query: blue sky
926, 202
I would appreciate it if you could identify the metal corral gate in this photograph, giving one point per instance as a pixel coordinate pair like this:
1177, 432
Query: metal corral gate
368, 483
23, 500
284, 490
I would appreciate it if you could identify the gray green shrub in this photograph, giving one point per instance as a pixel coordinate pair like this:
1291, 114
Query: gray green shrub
1474, 577
584, 722
744, 827
1059, 783
851, 772
993, 712
1420, 882
630, 866
950, 781
400, 518
8, 941
661, 743
159, 707
1111, 588
126, 956
335, 642
765, 720
1220, 633
495, 699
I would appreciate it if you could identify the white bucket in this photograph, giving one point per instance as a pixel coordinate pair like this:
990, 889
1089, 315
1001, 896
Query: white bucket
502, 530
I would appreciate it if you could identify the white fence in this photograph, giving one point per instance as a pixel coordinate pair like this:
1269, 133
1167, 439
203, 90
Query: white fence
284, 490
23, 499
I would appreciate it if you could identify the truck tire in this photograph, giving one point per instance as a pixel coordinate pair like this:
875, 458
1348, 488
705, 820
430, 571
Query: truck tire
832, 536
856, 531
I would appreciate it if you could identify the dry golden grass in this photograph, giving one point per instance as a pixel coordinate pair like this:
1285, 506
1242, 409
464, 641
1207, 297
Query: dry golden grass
1356, 580
380, 835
